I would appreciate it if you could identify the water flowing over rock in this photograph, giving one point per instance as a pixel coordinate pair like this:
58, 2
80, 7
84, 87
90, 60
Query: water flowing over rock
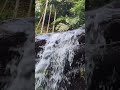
102, 48
17, 54
60, 61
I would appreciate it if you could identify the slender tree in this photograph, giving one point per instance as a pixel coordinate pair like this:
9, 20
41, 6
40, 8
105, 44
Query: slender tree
44, 16
54, 22
30, 8
16, 8
49, 18
3, 7
39, 21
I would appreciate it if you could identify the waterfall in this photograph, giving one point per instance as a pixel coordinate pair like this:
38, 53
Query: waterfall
17, 54
56, 60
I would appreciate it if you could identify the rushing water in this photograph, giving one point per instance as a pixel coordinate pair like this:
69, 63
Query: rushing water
57, 54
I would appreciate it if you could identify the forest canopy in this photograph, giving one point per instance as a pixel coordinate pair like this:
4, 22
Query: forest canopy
50, 15
59, 15
11, 9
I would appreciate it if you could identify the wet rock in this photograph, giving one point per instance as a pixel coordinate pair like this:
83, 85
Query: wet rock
40, 43
15, 35
81, 38
102, 34
39, 46
13, 40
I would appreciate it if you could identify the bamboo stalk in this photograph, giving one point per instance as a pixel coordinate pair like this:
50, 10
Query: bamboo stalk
49, 18
44, 16
30, 8
3, 6
16, 8
54, 22
39, 22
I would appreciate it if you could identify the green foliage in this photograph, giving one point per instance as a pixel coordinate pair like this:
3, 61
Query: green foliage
9, 9
70, 13
75, 19
62, 27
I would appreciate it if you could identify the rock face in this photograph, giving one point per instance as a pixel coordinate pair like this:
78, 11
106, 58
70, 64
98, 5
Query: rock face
16, 44
102, 48
60, 61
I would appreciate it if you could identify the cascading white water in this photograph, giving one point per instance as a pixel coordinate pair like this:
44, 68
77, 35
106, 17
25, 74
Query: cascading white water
50, 65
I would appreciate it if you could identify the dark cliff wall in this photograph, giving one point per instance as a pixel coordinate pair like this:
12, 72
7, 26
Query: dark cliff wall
15, 35
102, 48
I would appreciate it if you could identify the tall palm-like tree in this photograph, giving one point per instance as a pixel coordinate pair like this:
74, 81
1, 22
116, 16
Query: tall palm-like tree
3, 7
16, 8
54, 22
44, 16
49, 18
30, 7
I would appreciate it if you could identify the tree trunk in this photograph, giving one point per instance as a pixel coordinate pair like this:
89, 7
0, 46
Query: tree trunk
49, 18
3, 7
30, 8
39, 22
54, 22
16, 8
44, 16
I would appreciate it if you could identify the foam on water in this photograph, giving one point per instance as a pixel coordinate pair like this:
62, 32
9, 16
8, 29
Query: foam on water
50, 66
